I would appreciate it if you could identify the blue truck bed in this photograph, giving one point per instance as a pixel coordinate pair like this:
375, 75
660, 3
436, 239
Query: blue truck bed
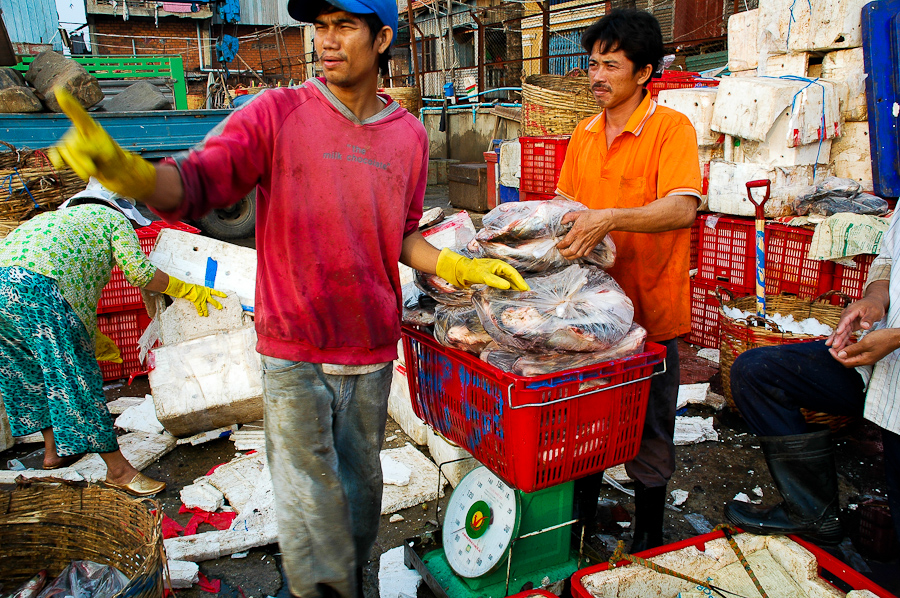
152, 134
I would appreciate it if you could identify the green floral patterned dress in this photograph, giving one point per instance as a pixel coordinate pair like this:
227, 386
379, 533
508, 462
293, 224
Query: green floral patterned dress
52, 271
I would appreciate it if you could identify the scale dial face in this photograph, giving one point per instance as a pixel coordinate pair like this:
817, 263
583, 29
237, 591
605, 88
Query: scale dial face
482, 519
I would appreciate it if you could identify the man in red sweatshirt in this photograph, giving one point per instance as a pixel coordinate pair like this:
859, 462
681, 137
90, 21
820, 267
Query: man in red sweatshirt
340, 172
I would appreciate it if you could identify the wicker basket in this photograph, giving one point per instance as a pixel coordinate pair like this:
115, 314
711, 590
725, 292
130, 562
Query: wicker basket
48, 525
554, 105
742, 335
408, 97
30, 184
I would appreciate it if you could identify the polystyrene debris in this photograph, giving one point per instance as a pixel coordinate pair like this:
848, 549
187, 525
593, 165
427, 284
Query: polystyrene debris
810, 326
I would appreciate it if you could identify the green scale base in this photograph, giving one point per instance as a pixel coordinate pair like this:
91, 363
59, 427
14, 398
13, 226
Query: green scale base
494, 584
547, 554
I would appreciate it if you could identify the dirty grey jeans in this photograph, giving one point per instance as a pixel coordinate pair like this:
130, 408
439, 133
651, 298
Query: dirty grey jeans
323, 438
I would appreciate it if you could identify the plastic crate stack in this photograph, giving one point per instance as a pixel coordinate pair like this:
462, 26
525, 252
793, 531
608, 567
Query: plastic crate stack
542, 160
726, 265
121, 314
678, 80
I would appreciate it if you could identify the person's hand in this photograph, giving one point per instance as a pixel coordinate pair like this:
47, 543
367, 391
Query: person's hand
195, 293
859, 315
462, 272
589, 228
89, 150
106, 349
870, 349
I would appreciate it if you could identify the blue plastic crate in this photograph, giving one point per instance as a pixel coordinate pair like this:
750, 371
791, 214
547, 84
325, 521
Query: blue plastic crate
508, 194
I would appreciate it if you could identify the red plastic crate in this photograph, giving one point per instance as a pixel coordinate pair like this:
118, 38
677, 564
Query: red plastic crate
695, 242
542, 160
726, 254
124, 328
828, 566
678, 80
704, 315
532, 432
788, 270
118, 295
526, 196
851, 280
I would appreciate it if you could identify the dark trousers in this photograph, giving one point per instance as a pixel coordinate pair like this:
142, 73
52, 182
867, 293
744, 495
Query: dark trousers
771, 384
655, 461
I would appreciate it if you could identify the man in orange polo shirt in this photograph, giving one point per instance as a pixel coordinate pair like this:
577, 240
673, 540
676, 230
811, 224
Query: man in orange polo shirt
636, 167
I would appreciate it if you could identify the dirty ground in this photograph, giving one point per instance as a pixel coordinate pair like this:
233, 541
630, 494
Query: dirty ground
711, 472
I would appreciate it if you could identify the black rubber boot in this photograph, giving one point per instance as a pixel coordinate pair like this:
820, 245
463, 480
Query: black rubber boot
802, 467
649, 509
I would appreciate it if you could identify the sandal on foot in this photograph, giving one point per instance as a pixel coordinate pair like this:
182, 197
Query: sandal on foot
140, 485
64, 462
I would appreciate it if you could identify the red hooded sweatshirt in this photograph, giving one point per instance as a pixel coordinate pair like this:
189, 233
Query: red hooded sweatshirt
335, 199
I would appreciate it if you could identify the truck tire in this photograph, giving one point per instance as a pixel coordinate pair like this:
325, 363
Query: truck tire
236, 222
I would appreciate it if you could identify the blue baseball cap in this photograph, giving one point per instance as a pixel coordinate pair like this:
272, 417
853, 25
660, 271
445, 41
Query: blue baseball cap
306, 11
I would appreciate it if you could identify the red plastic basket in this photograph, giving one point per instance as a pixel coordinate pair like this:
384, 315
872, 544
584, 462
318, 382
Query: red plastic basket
532, 432
526, 196
850, 280
542, 160
788, 270
726, 254
695, 242
118, 295
829, 567
124, 328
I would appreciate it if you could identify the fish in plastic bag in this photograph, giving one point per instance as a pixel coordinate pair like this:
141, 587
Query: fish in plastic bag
442, 291
418, 308
525, 235
578, 308
32, 587
833, 195
537, 364
460, 328
86, 579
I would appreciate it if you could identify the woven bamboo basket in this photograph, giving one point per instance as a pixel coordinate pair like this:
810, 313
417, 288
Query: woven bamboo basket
554, 105
48, 525
408, 97
30, 184
739, 335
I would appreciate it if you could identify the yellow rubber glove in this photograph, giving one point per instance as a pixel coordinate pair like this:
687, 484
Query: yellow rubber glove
463, 272
89, 150
106, 349
195, 293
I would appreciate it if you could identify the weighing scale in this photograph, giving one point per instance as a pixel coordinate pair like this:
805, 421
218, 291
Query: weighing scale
496, 539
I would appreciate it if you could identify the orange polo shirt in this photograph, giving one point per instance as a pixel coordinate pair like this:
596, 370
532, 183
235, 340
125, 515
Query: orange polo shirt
655, 156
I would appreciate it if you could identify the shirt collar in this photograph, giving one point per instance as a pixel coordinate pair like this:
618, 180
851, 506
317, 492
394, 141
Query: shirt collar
635, 122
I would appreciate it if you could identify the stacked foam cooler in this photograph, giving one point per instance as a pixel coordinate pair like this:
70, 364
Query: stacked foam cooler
121, 314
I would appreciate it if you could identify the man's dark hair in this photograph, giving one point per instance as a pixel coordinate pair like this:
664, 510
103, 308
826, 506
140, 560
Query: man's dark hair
375, 25
635, 32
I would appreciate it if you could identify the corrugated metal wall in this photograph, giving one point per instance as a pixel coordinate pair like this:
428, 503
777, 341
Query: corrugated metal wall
32, 21
265, 12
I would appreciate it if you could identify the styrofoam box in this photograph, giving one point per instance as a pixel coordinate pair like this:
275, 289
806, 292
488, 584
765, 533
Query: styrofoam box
728, 187
180, 321
774, 152
697, 104
207, 383
851, 154
6, 439
188, 256
787, 26
400, 407
793, 65
443, 452
743, 52
845, 69
747, 73
748, 108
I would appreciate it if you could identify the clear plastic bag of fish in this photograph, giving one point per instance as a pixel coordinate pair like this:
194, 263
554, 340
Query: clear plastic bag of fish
442, 291
578, 308
525, 235
86, 579
460, 328
538, 364
833, 195
418, 308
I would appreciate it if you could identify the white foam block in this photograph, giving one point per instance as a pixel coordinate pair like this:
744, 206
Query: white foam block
423, 481
395, 580
140, 418
694, 430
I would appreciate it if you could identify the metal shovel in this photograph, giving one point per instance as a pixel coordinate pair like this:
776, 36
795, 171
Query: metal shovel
760, 243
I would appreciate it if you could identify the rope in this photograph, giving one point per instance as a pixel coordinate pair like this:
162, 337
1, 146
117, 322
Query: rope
728, 530
822, 133
8, 180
